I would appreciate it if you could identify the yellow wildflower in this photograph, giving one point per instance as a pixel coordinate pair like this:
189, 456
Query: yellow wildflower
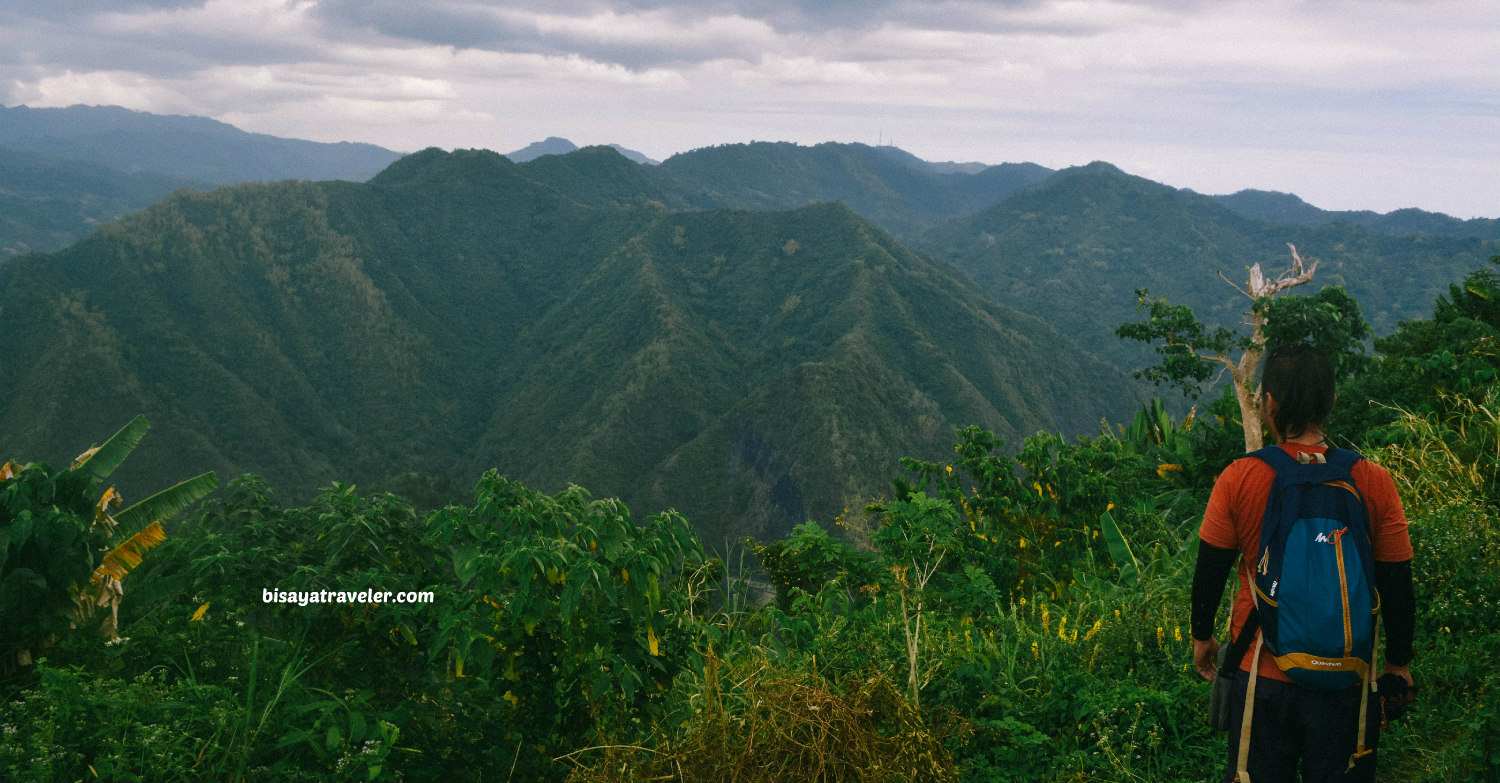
1035, 651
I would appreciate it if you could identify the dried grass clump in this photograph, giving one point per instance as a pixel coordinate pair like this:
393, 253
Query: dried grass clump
776, 724
1447, 459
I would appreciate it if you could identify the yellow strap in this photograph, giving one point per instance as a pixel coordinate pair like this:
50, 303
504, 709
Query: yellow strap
1242, 774
1364, 701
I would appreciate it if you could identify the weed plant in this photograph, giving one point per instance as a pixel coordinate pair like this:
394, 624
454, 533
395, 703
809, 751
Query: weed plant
997, 618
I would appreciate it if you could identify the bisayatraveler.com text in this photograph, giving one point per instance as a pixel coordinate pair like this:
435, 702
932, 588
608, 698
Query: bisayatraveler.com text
305, 597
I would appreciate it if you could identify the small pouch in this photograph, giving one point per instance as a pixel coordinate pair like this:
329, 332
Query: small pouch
1395, 697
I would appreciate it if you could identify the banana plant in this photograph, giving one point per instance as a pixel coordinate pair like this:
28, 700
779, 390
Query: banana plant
1119, 549
66, 546
132, 532
1156, 436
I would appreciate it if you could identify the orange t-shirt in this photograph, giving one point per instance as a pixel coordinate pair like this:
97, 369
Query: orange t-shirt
1239, 501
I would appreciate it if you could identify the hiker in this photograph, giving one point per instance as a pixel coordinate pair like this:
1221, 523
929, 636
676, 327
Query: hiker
1293, 723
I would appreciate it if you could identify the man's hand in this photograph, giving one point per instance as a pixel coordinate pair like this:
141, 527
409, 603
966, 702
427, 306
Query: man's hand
1404, 672
1206, 658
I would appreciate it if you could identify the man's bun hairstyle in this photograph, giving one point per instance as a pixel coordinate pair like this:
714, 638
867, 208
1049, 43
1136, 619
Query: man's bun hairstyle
1300, 378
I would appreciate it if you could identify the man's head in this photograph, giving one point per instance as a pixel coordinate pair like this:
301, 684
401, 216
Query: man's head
1297, 389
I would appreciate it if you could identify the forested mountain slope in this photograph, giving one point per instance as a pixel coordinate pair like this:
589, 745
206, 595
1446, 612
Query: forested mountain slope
750, 369
886, 188
1286, 208
63, 172
1073, 248
48, 203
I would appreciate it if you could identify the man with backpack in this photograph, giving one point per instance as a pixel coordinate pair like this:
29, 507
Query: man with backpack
1324, 557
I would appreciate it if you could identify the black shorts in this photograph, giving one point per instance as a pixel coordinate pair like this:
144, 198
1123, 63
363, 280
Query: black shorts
1295, 727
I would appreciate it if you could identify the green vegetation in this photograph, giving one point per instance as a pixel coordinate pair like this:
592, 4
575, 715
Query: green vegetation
1096, 229
899, 197
1190, 353
754, 370
1276, 207
988, 616
66, 548
49, 203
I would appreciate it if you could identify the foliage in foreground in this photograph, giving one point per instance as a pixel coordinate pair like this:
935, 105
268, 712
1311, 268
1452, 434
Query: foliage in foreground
1035, 608
1000, 617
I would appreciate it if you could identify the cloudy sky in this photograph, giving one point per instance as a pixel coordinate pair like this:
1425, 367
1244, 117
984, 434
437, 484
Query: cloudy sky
1352, 105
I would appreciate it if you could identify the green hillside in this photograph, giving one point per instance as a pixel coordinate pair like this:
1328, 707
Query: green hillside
454, 314
64, 172
1094, 234
602, 176
885, 188
782, 352
1286, 208
49, 203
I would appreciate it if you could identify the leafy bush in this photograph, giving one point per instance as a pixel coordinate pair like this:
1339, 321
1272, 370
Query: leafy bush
763, 720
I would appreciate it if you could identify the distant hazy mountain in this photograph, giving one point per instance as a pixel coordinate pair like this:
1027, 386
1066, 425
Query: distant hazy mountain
190, 148
554, 145
1073, 248
48, 203
1277, 207
453, 314
635, 156
63, 172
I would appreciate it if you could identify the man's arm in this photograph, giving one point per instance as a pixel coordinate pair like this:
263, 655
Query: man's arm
1209, 576
1398, 610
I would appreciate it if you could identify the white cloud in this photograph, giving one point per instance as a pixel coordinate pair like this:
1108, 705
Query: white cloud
109, 88
1338, 88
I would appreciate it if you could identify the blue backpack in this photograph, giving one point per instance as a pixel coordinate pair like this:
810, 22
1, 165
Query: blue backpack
1314, 574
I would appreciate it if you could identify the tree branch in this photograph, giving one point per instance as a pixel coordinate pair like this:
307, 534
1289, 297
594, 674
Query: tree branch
1220, 273
1295, 276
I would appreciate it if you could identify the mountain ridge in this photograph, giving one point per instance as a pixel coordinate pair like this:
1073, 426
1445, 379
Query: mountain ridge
1277, 207
453, 315
556, 145
1078, 230
200, 149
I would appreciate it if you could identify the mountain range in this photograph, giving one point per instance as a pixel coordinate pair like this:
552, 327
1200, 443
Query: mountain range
105, 161
750, 333
64, 171
750, 368
554, 145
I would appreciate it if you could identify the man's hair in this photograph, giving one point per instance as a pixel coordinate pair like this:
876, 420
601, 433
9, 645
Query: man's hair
1300, 378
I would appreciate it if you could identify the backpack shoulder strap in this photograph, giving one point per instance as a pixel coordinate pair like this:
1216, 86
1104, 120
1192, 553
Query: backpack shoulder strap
1275, 456
1343, 458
